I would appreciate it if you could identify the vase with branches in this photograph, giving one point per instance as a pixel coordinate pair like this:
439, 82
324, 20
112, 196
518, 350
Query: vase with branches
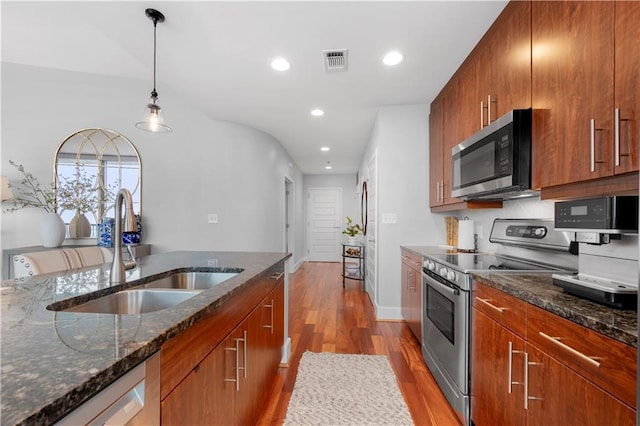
31, 193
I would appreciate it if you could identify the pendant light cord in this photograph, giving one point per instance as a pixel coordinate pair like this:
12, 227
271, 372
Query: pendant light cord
155, 24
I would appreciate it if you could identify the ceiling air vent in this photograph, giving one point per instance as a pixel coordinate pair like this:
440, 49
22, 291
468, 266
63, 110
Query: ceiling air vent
335, 60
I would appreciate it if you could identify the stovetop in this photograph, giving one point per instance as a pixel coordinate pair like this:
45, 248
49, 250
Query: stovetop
482, 262
455, 268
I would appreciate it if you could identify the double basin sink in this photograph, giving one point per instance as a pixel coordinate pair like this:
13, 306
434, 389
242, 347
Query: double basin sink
155, 295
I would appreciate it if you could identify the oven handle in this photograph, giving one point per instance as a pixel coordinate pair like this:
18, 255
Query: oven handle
436, 284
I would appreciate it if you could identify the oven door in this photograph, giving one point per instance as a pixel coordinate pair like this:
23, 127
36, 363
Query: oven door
446, 329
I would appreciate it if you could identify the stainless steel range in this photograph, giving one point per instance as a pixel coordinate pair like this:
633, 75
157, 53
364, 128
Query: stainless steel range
533, 247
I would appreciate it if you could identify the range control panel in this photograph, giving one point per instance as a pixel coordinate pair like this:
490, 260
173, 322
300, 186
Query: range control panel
524, 231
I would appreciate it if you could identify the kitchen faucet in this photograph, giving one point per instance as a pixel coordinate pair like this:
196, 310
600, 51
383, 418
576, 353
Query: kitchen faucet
119, 265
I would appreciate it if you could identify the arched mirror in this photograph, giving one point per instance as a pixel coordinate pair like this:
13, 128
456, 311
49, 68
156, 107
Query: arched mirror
89, 168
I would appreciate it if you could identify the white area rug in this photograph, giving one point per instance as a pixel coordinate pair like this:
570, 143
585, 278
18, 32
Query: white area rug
339, 389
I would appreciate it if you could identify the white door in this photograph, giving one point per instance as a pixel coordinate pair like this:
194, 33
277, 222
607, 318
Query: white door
288, 230
325, 210
372, 228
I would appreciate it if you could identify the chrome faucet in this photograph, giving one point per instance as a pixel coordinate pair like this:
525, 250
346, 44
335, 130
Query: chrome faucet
119, 265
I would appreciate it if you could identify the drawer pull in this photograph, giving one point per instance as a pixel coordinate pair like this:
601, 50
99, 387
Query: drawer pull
568, 348
276, 276
491, 305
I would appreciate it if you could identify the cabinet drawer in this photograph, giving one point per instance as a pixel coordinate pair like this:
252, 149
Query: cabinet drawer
507, 310
411, 259
606, 362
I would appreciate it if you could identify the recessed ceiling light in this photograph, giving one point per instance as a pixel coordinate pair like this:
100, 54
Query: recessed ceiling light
325, 148
280, 64
392, 58
317, 112
328, 167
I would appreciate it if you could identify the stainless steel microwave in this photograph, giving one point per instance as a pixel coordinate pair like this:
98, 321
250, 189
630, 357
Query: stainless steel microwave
495, 163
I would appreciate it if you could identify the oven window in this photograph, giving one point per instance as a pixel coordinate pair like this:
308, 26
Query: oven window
440, 311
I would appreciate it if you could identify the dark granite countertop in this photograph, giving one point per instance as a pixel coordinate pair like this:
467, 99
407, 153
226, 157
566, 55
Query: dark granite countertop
51, 361
538, 289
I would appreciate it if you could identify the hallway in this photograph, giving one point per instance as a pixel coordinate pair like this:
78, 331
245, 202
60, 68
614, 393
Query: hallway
324, 317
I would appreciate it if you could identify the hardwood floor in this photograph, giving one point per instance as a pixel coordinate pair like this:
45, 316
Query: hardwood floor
324, 317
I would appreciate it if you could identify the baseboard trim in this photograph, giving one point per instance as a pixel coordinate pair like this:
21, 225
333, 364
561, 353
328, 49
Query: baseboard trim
388, 313
298, 264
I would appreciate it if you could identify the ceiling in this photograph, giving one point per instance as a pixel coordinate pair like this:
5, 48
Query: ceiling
218, 54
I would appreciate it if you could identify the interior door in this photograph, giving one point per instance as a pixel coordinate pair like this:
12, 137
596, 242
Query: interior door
324, 206
372, 228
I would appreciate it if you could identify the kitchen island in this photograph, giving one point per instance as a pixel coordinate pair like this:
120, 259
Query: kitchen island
51, 361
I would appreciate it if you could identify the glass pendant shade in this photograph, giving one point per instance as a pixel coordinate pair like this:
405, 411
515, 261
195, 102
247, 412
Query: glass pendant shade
153, 120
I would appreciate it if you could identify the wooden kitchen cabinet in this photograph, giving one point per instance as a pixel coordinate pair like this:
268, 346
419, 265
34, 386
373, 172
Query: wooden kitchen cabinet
582, 51
496, 398
627, 85
496, 77
228, 384
412, 292
436, 151
445, 115
559, 396
531, 367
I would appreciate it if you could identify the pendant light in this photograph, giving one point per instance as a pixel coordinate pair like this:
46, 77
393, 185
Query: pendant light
154, 118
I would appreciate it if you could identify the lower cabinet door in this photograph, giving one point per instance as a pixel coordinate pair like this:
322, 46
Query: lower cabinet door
206, 395
558, 396
497, 374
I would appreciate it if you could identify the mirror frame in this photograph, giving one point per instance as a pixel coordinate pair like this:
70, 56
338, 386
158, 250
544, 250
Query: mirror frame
112, 139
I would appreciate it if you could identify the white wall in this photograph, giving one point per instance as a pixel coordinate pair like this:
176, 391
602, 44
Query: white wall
400, 135
350, 199
204, 166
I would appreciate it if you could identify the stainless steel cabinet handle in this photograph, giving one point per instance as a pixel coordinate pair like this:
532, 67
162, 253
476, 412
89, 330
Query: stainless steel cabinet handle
491, 305
277, 276
271, 316
592, 133
489, 109
526, 381
593, 144
511, 352
244, 342
237, 379
616, 137
556, 341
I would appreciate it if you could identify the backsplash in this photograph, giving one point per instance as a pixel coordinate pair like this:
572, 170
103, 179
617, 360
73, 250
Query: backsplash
530, 208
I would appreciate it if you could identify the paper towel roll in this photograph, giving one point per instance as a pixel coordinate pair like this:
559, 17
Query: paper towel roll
466, 237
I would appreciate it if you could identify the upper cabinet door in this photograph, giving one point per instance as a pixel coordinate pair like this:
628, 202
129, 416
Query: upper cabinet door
436, 151
627, 86
510, 61
572, 91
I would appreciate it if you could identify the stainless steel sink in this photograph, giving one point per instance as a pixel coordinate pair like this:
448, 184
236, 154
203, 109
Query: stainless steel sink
135, 301
191, 280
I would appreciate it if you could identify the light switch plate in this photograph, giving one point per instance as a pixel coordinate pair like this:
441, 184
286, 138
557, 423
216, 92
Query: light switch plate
212, 218
389, 218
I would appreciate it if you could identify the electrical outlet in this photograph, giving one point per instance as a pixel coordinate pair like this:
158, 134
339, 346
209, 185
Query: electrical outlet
212, 262
212, 218
388, 218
